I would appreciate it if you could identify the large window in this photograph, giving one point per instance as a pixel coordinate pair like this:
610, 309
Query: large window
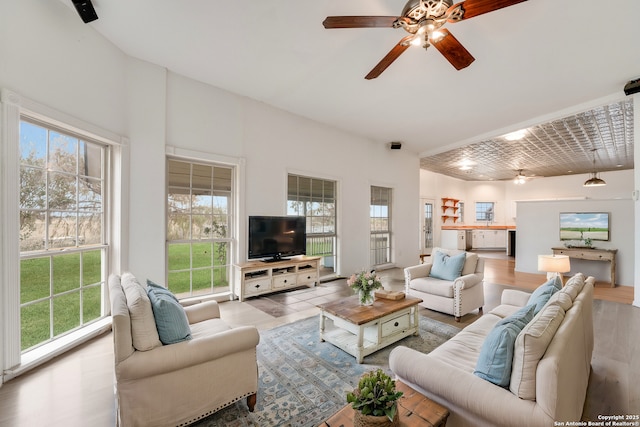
199, 226
380, 225
315, 199
63, 249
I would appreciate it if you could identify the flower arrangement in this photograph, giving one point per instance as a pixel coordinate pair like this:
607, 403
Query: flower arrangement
375, 395
365, 283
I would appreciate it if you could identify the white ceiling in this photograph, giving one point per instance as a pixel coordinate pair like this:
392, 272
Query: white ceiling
532, 59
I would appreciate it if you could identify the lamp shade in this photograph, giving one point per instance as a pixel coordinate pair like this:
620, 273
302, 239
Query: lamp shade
554, 263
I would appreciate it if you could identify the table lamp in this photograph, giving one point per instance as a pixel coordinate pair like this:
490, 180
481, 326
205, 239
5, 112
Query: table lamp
553, 265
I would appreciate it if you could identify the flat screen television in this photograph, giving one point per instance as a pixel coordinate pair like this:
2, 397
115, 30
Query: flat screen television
584, 225
277, 237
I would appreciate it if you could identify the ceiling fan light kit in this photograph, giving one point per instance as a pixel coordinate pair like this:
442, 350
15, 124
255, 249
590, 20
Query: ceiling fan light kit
424, 20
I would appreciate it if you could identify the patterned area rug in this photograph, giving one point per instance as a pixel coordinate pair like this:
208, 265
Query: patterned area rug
304, 381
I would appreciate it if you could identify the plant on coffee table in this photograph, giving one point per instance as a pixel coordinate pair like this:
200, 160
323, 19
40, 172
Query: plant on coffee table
365, 283
375, 395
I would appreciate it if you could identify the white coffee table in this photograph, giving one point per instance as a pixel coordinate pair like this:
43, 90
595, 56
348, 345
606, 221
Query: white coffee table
362, 330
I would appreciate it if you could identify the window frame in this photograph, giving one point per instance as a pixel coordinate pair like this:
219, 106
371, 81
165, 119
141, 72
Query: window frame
375, 233
485, 211
316, 240
55, 253
230, 240
13, 361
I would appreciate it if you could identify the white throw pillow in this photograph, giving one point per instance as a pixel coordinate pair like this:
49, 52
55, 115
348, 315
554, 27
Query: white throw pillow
561, 299
144, 333
529, 348
470, 264
574, 285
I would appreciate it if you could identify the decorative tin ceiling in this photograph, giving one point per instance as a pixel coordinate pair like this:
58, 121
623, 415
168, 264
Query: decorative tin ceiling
562, 147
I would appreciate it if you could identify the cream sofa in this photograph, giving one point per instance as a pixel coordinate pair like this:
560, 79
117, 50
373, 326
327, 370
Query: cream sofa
177, 384
550, 372
457, 297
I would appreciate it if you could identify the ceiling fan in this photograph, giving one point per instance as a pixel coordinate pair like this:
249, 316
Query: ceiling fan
424, 21
521, 178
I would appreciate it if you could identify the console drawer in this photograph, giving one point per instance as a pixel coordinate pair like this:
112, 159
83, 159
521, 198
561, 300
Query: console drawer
258, 285
308, 277
284, 281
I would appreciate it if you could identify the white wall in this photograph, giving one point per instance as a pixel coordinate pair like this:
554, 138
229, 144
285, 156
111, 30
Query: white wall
538, 230
274, 143
49, 55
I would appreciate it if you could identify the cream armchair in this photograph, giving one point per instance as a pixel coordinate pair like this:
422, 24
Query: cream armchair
177, 384
457, 297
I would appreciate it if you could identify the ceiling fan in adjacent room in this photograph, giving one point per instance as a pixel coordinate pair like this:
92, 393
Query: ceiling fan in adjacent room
521, 178
424, 21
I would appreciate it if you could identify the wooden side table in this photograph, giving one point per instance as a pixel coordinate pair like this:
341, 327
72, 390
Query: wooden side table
414, 410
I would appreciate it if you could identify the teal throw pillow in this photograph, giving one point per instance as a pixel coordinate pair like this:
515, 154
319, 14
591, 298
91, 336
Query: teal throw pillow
543, 293
447, 267
162, 289
171, 320
496, 355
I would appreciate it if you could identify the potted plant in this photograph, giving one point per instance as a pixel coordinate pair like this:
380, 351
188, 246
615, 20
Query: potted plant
375, 400
365, 283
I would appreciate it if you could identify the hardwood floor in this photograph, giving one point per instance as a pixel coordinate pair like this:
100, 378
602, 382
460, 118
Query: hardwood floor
76, 389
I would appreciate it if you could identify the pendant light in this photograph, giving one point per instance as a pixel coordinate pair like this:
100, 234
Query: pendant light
595, 180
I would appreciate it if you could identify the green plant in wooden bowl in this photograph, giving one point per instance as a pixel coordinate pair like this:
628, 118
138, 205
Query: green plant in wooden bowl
375, 400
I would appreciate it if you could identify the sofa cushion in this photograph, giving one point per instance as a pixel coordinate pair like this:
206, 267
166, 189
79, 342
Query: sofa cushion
432, 286
496, 355
447, 267
542, 294
171, 320
144, 334
561, 299
574, 285
530, 346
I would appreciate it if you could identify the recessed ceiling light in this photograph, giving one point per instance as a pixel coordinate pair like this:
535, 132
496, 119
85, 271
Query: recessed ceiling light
516, 136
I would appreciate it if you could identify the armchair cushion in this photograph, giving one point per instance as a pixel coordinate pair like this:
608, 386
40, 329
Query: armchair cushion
171, 319
447, 267
144, 334
434, 287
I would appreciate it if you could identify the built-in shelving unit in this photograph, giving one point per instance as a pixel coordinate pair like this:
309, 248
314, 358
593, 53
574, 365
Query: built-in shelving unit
450, 209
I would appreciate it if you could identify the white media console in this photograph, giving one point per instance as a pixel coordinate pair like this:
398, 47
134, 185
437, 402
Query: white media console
258, 277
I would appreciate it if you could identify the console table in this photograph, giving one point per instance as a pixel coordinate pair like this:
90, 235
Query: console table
592, 255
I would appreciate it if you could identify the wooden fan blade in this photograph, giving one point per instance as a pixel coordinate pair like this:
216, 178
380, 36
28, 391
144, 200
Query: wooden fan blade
358, 21
453, 51
478, 7
389, 58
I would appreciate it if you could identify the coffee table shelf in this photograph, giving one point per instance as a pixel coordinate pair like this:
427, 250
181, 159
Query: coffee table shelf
363, 330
